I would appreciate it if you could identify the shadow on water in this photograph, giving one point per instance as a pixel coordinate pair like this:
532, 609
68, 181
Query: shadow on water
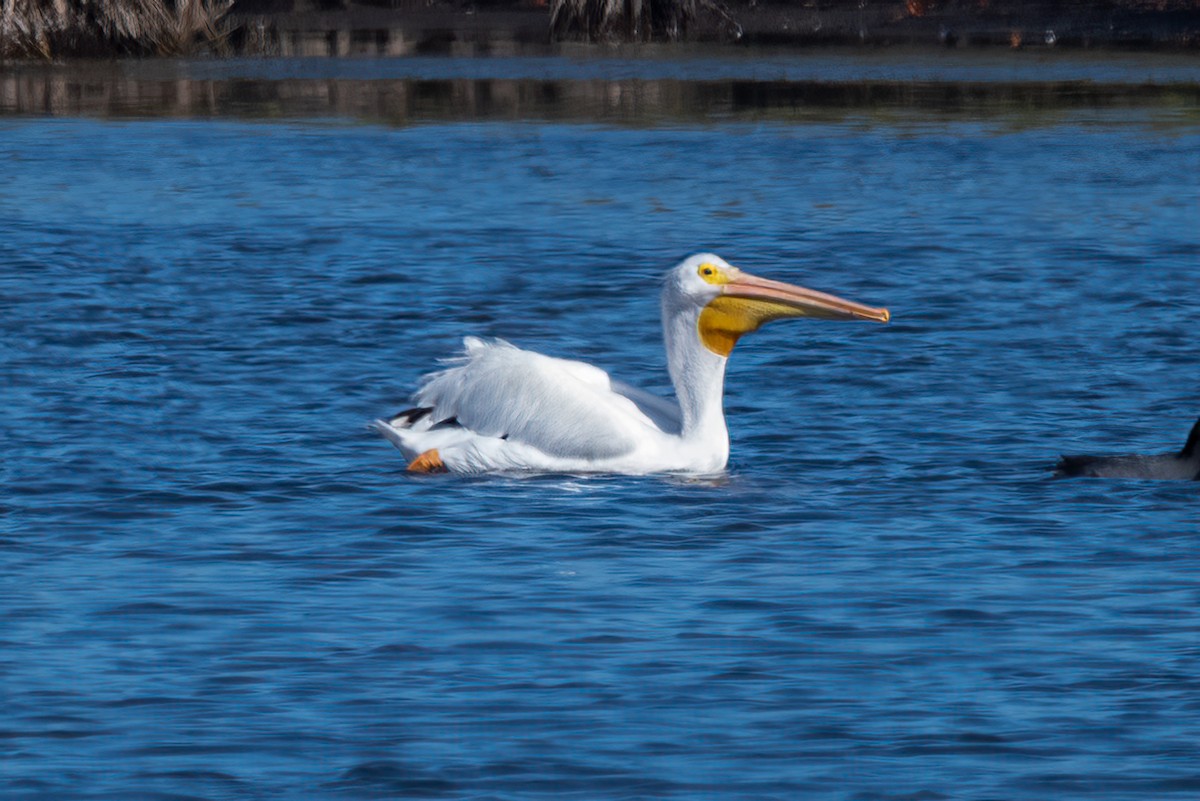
618, 91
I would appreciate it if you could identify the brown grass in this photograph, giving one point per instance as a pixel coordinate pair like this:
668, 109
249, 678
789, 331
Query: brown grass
625, 20
51, 29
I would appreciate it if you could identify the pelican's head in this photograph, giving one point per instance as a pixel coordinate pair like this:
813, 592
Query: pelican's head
732, 302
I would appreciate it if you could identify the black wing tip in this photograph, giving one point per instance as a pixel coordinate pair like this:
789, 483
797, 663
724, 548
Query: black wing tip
408, 417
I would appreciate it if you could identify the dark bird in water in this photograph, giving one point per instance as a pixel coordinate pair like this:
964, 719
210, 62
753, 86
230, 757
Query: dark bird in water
1182, 465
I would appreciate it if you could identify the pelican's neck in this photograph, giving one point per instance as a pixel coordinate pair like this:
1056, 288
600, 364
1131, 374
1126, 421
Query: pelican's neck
699, 378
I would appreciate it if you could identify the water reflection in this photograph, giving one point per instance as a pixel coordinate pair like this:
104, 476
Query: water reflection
387, 42
111, 91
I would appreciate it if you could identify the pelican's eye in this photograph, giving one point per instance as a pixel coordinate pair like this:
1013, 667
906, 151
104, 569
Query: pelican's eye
711, 273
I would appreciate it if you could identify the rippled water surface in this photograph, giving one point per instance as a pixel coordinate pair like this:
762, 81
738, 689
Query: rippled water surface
218, 584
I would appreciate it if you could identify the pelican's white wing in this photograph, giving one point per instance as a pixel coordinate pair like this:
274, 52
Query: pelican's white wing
665, 413
566, 409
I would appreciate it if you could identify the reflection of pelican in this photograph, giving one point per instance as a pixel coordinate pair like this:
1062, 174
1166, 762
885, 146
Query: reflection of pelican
499, 408
1184, 464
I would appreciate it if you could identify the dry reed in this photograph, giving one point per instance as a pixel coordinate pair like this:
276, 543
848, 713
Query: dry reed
50, 29
633, 20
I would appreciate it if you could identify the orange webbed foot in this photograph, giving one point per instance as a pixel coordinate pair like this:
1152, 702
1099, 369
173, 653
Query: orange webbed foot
428, 462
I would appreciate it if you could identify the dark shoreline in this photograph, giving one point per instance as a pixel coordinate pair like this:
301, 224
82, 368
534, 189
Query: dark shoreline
506, 27
306, 27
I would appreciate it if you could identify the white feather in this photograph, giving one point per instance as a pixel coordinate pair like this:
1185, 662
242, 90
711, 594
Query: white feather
561, 407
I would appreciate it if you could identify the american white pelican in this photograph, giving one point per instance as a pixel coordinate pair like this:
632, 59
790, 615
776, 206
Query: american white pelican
498, 408
1182, 465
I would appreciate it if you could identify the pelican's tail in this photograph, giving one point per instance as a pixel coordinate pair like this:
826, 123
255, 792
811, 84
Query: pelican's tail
407, 430
416, 431
400, 437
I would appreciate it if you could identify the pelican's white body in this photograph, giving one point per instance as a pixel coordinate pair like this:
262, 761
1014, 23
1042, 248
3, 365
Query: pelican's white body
498, 408
519, 410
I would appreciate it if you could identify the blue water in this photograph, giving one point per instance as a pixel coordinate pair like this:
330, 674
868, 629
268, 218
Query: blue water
217, 584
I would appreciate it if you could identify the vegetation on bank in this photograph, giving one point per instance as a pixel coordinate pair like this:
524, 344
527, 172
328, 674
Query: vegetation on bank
1014, 23
56, 28
638, 20
51, 29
